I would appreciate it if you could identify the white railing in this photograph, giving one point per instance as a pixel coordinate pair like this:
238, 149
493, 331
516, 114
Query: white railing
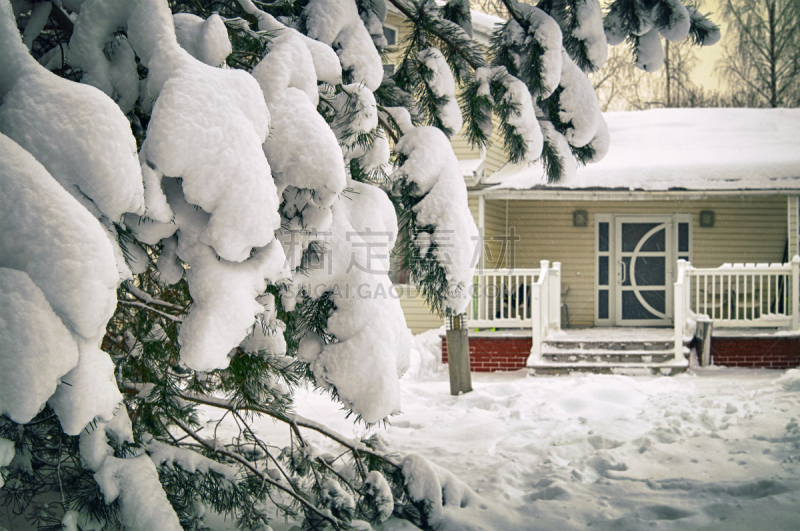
502, 298
519, 298
739, 295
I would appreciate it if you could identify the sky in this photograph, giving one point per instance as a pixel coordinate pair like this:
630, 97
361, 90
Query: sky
708, 56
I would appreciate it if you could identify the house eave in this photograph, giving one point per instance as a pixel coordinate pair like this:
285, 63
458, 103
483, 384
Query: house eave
564, 194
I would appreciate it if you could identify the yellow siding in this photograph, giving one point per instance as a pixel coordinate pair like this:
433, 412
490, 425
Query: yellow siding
418, 314
495, 156
745, 230
473, 207
794, 230
463, 149
495, 252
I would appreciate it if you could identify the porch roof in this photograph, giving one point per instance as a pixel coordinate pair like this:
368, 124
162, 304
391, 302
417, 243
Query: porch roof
675, 150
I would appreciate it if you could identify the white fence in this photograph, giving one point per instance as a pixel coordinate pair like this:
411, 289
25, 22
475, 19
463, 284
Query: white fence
738, 295
519, 298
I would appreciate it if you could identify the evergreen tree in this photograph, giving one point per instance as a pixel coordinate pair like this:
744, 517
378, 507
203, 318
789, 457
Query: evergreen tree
189, 192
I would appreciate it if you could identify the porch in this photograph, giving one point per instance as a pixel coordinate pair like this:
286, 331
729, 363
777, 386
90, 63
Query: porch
515, 310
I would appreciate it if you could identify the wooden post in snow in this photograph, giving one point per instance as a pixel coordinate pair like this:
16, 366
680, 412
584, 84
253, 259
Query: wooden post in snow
458, 357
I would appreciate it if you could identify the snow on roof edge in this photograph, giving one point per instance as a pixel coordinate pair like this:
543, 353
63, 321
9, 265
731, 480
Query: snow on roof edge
683, 150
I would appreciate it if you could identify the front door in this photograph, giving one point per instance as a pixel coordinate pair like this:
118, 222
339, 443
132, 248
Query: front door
644, 258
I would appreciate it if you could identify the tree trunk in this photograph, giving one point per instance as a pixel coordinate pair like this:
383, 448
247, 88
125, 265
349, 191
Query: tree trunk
773, 60
667, 72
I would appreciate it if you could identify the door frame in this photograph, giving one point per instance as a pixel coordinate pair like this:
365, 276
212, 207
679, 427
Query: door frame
613, 255
670, 258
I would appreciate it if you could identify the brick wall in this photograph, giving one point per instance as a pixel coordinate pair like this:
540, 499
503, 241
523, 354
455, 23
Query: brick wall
766, 352
490, 354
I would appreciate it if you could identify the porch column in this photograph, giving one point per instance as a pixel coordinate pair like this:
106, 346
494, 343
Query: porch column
482, 228
795, 292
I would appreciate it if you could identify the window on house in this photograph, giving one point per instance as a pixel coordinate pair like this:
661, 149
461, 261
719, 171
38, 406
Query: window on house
391, 35
388, 70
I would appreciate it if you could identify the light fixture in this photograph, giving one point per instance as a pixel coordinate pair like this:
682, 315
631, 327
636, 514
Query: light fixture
580, 218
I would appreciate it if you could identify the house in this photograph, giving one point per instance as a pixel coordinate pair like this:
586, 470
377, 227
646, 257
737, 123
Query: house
712, 187
693, 212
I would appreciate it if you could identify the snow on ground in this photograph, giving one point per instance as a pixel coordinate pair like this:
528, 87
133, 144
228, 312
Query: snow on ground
716, 449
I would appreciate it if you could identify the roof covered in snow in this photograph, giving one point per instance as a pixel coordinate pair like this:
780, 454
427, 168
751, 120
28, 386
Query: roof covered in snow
684, 149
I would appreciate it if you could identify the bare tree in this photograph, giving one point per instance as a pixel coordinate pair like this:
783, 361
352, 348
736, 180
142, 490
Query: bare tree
762, 49
620, 85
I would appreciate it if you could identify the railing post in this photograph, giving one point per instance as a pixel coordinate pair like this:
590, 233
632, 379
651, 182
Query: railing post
555, 296
536, 324
680, 307
544, 297
795, 292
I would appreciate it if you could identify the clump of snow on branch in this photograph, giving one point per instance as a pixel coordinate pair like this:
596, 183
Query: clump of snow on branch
648, 51
6, 455
439, 79
80, 136
431, 488
217, 154
589, 29
709, 33
190, 461
302, 149
267, 336
224, 293
337, 24
372, 344
433, 168
131, 481
92, 38
377, 488
423, 487
578, 104
32, 364
206, 40
546, 32
357, 117
645, 23
63, 250
207, 128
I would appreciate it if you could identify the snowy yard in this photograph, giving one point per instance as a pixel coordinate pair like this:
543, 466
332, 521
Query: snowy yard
716, 449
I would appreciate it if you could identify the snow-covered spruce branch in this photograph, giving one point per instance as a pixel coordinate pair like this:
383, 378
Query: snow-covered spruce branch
144, 306
149, 299
261, 475
475, 61
293, 420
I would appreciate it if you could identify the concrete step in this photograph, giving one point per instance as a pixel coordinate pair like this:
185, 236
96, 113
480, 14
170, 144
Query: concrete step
607, 356
631, 369
567, 344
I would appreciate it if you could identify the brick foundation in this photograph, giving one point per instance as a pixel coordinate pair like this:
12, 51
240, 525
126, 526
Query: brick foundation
490, 354
764, 352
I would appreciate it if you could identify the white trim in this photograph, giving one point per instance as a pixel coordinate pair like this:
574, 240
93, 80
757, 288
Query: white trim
670, 249
616, 195
482, 228
598, 219
613, 272
511, 261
